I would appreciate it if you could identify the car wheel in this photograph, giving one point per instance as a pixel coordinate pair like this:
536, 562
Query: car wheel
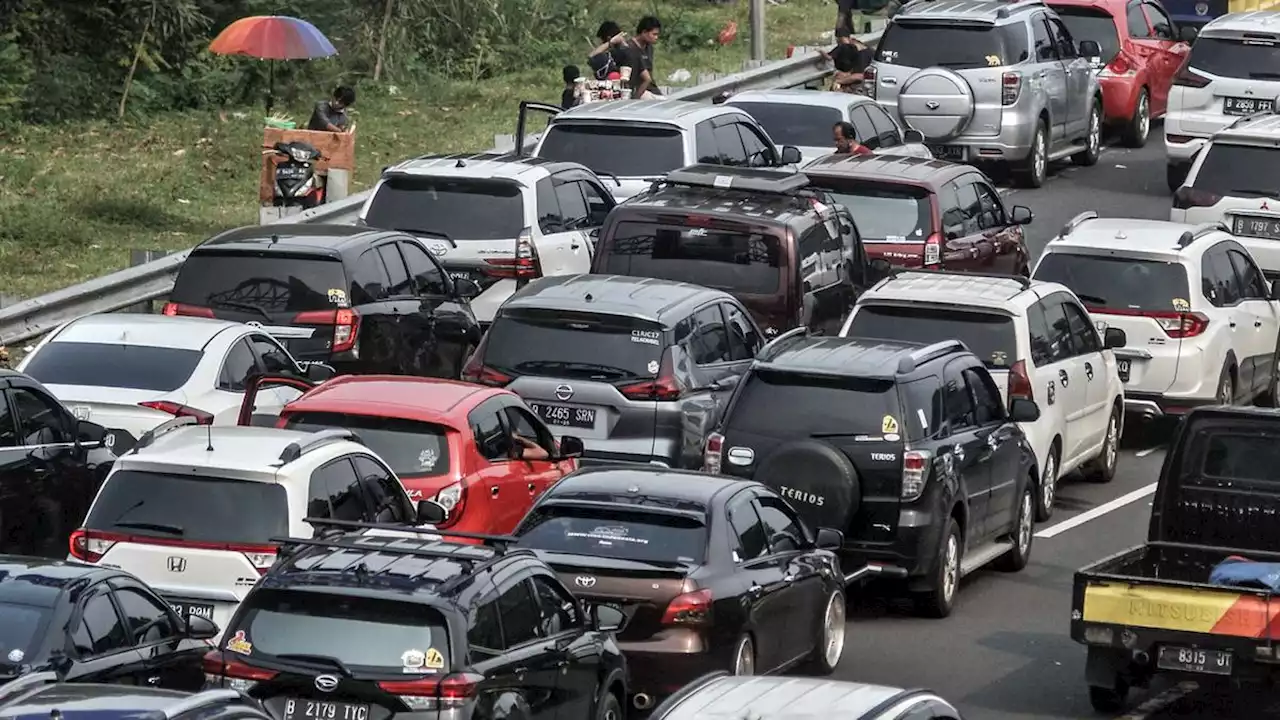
1032, 172
1138, 129
1109, 699
1047, 488
938, 601
1022, 534
1226, 388
829, 641
610, 708
744, 657
1092, 139
1103, 468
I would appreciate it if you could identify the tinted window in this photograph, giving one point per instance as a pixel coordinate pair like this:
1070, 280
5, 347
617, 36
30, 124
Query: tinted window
463, 209
148, 620
991, 337
758, 153
705, 142
239, 364
40, 419
1060, 345
8, 430
630, 535
274, 283
427, 277
953, 46
410, 447
863, 128
484, 629
623, 150
573, 207
1161, 24
549, 220
774, 404
1062, 38
743, 338
369, 280
201, 509
573, 345
134, 367
558, 611
708, 343
1254, 59
1117, 282
886, 129
396, 272
274, 358
1084, 338
335, 492
987, 402
778, 520
1134, 18
789, 124
1220, 174
1040, 338
520, 615
1243, 456
383, 493
739, 261
1043, 46
922, 410
493, 442
884, 212
732, 151
21, 626
955, 397
753, 541
992, 214
100, 631
970, 212
1219, 282
368, 634
1252, 285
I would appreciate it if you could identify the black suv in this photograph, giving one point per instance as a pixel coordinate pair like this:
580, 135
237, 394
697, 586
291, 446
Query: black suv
360, 300
370, 627
907, 448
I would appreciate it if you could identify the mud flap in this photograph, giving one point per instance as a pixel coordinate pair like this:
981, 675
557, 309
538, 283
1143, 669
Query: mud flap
1104, 665
523, 119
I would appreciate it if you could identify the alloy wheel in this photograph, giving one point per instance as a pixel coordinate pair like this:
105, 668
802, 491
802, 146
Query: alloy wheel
1112, 450
1144, 117
1049, 481
744, 662
951, 568
833, 630
1095, 132
1038, 158
1026, 518
1225, 391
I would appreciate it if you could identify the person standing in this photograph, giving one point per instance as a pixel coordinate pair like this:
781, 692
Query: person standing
571, 95
850, 57
331, 115
603, 59
637, 55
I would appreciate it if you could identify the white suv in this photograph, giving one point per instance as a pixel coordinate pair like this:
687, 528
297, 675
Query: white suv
193, 511
1200, 321
1037, 342
1233, 69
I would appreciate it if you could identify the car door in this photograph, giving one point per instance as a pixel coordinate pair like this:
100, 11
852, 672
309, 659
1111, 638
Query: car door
577, 651
386, 500
379, 340
706, 148
416, 344
965, 246
599, 203
533, 662
1221, 286
1168, 53
539, 475
170, 660
827, 295
756, 144
333, 493
1002, 235
968, 451
501, 481
238, 366
57, 484
789, 543
1051, 75
1003, 455
99, 645
1050, 353
568, 251
865, 130
1087, 347
1078, 73
765, 593
888, 134
1260, 318
18, 485
728, 142
273, 360
1069, 385
453, 326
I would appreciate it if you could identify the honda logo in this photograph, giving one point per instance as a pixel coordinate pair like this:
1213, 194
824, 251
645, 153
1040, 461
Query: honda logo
563, 392
439, 249
177, 564
584, 581
326, 683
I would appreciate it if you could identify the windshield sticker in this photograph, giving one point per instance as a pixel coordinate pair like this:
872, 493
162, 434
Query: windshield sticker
239, 644
427, 459
652, 367
723, 181
434, 660
895, 239
16, 656
999, 358
646, 337
413, 660
889, 424
337, 296
994, 61
924, 421
1181, 305
608, 536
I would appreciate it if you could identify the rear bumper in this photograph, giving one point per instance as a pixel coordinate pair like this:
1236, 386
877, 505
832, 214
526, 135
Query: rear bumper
669, 661
1152, 406
1133, 653
913, 551
1017, 128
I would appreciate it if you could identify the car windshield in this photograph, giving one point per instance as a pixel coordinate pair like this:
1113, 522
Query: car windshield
1220, 171
884, 212
737, 261
1086, 23
564, 344
794, 405
132, 367
409, 447
279, 283
622, 535
625, 150
952, 45
1245, 59
462, 209
989, 336
794, 124
21, 629
1118, 283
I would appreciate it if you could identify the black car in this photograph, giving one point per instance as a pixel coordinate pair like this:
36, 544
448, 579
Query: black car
88, 623
709, 572
359, 300
39, 696
907, 448
370, 627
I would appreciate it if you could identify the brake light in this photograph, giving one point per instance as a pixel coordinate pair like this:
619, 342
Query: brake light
915, 473
524, 265
1120, 66
1010, 87
88, 546
933, 250
869, 81
1187, 197
476, 372
1020, 382
179, 410
219, 670
453, 498
174, 309
449, 692
1175, 324
711, 454
699, 221
345, 322
1186, 78
664, 387
691, 608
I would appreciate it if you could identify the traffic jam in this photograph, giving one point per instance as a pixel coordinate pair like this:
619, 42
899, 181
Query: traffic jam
613, 427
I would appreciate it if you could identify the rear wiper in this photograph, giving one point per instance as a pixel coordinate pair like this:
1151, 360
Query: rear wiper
1093, 299
1254, 191
429, 233
329, 660
247, 307
1264, 75
170, 529
604, 370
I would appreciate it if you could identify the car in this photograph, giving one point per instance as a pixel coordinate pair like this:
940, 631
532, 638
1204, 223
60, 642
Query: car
192, 510
1141, 53
636, 142
906, 448
991, 82
701, 568
447, 441
805, 119
133, 372
74, 623
38, 696
636, 367
358, 299
913, 212
784, 250
419, 629
1233, 180
1226, 75
1201, 323
721, 696
1037, 342
498, 220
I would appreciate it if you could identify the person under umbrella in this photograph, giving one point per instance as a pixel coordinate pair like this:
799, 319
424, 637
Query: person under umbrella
274, 37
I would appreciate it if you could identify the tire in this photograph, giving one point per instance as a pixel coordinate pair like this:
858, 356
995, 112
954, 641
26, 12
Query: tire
1023, 532
1032, 171
744, 656
610, 708
1102, 469
1271, 398
1226, 388
1138, 129
938, 601
1047, 488
1174, 175
820, 481
829, 637
1109, 700
1092, 139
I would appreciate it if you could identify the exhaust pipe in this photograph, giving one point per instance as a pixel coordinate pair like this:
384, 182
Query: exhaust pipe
642, 701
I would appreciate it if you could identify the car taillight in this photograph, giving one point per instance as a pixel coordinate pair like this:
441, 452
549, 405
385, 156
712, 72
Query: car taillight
449, 692
711, 454
179, 410
172, 309
1186, 78
691, 608
1010, 88
933, 250
453, 498
869, 82
1020, 382
524, 265
345, 322
663, 387
915, 473
222, 671
1187, 197
1174, 324
1120, 66
89, 546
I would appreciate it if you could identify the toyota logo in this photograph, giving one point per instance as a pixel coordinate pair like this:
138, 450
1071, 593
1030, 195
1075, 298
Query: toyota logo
584, 581
326, 683
563, 392
932, 105
439, 249
177, 564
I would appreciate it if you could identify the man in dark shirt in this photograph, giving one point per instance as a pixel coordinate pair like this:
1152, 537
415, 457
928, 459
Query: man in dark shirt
569, 97
331, 115
850, 57
604, 57
637, 54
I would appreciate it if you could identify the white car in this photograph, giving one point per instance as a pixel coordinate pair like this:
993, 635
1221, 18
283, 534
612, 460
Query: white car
1236, 180
1038, 343
1201, 322
133, 372
1233, 70
192, 511
805, 118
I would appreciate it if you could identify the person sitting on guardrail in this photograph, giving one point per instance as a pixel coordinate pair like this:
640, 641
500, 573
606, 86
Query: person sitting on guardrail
851, 57
846, 139
603, 59
331, 115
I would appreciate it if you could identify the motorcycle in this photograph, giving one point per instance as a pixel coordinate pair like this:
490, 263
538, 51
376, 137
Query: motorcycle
296, 181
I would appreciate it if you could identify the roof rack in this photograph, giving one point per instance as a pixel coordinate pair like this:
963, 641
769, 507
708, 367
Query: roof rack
1200, 231
916, 358
150, 436
26, 686
320, 438
761, 180
491, 540
1025, 282
1004, 12
200, 700
1076, 222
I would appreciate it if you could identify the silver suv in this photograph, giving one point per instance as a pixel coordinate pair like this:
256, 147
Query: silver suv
991, 81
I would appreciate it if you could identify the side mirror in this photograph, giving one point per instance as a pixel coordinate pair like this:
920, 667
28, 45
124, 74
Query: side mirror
880, 269
88, 433
1275, 289
1090, 49
1189, 34
201, 628
570, 447
1022, 215
465, 288
1114, 338
1022, 410
830, 539
790, 155
912, 135
319, 372
431, 512
607, 618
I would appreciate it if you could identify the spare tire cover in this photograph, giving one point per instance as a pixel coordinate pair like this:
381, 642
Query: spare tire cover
816, 479
937, 102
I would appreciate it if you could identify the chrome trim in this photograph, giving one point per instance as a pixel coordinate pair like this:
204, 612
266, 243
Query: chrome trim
1131, 353
1146, 408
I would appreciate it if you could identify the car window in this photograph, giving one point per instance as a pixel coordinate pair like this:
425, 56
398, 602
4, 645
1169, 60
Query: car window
1161, 24
368, 279
100, 631
1096, 24
753, 540
1220, 284
1122, 283
729, 143
398, 277
863, 128
1062, 38
147, 619
1040, 337
632, 534
484, 630
275, 282
520, 615
622, 149
522, 423
274, 358
1084, 336
956, 399
386, 497
428, 279
787, 405
1137, 21
1060, 346
758, 153
599, 203
549, 220
493, 442
41, 419
781, 526
573, 207
992, 216
883, 211
744, 341
922, 407
955, 46
8, 430
708, 341
552, 342
335, 492
239, 364
793, 124
705, 147
970, 209
1252, 285
736, 259
461, 208
557, 611
23, 632
991, 336
410, 447
811, 245
887, 130
1042, 43
110, 365
986, 397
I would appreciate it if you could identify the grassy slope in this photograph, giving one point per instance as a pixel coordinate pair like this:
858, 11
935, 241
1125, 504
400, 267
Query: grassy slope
75, 199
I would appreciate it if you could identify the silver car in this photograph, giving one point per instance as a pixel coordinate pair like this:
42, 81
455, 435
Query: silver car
721, 696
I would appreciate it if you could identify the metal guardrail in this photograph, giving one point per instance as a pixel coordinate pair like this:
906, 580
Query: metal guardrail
37, 316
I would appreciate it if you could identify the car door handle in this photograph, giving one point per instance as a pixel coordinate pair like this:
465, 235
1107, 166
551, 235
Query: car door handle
1063, 377
888, 81
1231, 324
494, 491
533, 488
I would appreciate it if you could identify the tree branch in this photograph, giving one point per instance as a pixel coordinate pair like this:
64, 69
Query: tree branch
137, 56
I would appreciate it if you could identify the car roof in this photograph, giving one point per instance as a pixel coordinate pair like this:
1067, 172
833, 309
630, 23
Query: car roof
622, 484
39, 581
319, 239
969, 10
1115, 8
898, 169
430, 400
735, 697
524, 169
872, 358
667, 112
642, 298
767, 208
1128, 237
95, 701
1234, 24
989, 291
249, 452
1262, 128
814, 98
136, 329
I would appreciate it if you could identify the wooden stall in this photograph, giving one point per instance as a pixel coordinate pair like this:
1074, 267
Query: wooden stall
338, 149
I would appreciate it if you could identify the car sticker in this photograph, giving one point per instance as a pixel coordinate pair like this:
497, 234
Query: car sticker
239, 644
16, 656
646, 337
890, 424
994, 61
434, 660
924, 420
1181, 304
427, 459
653, 367
895, 239
892, 437
723, 181
413, 660
999, 358
337, 296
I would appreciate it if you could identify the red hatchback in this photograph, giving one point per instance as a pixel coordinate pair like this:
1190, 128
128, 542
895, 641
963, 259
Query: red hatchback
1141, 53
477, 451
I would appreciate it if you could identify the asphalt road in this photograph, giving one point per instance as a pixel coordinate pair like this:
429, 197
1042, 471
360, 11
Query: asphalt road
1005, 652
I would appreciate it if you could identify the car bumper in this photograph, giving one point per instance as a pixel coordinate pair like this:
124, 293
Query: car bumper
669, 661
913, 552
1017, 128
1154, 406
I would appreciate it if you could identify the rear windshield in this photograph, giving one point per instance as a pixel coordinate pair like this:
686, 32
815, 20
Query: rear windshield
20, 633
785, 404
1118, 283
186, 507
573, 345
271, 283
134, 367
787, 124
1085, 23
617, 149
1240, 456
461, 209
989, 336
629, 535
1220, 171
411, 448
884, 212
366, 634
1247, 59
739, 262
953, 45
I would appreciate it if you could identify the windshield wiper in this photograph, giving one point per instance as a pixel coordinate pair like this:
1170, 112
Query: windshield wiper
329, 660
1093, 299
429, 233
601, 370
158, 527
247, 307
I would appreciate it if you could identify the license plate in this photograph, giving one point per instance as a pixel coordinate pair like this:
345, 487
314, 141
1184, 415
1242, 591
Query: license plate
1246, 106
302, 709
1122, 368
188, 608
291, 172
947, 152
565, 416
1256, 227
1209, 662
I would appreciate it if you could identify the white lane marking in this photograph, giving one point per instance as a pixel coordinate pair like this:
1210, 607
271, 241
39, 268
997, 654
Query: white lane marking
1103, 509
1160, 702
1148, 451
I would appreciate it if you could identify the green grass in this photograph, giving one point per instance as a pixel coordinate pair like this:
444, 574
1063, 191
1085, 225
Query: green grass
75, 199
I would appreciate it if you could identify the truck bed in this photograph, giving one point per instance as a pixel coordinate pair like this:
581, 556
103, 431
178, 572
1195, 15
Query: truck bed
1173, 562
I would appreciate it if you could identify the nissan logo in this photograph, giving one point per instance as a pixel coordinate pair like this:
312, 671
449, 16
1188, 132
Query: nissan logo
177, 564
439, 249
584, 581
326, 683
932, 105
563, 392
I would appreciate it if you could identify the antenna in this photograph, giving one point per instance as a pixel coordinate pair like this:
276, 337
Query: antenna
209, 437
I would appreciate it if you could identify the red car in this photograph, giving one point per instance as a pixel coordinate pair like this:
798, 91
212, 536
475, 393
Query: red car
1141, 53
476, 450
